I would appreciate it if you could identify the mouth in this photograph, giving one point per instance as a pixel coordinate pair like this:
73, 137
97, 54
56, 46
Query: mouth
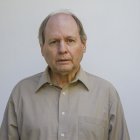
63, 61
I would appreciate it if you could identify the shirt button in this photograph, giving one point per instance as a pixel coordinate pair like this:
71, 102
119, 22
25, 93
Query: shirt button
62, 134
63, 93
63, 113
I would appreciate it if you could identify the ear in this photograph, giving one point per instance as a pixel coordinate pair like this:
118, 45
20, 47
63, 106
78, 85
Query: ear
84, 48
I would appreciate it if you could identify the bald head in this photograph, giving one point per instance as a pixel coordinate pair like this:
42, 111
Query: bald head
59, 24
61, 18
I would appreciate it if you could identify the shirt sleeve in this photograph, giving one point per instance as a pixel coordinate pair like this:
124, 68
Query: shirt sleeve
118, 128
9, 129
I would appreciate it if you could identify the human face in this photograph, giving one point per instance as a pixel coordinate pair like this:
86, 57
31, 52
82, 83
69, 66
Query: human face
63, 49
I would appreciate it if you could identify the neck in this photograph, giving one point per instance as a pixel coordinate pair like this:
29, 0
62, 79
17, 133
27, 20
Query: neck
62, 80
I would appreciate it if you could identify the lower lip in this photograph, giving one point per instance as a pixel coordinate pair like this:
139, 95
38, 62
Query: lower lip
63, 62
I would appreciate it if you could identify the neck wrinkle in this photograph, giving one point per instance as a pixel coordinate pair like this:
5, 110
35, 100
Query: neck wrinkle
62, 80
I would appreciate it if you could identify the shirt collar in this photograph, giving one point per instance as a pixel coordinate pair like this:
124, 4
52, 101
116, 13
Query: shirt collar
45, 78
83, 78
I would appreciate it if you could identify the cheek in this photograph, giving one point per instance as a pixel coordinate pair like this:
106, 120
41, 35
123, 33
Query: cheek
77, 55
48, 55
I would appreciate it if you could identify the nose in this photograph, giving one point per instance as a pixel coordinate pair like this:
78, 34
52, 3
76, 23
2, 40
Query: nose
62, 47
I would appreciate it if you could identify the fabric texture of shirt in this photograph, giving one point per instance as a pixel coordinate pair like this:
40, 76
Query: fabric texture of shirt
89, 108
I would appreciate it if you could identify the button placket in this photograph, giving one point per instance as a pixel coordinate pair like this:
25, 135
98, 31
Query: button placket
63, 93
63, 108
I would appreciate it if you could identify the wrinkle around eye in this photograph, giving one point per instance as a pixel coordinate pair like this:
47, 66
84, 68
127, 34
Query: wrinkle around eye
71, 41
53, 43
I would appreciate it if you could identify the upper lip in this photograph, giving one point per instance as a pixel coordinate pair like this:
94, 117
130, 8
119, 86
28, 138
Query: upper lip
63, 59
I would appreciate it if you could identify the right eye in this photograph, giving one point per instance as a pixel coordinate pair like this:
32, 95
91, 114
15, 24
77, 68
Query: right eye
52, 42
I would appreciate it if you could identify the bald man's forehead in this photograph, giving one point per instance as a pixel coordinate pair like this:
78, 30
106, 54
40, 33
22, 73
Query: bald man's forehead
61, 16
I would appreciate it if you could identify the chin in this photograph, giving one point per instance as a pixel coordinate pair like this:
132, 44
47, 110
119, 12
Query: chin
64, 70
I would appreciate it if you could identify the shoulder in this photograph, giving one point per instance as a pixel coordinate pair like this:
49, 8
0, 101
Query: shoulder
30, 80
27, 84
102, 88
101, 85
97, 81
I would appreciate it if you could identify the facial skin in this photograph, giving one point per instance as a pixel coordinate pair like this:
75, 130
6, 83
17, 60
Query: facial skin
63, 49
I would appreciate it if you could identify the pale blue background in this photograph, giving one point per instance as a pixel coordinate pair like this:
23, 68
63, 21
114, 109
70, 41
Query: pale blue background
113, 47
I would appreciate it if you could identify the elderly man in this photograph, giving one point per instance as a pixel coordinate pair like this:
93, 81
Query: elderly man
64, 102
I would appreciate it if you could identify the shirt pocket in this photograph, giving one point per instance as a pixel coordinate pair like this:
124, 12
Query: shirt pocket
90, 128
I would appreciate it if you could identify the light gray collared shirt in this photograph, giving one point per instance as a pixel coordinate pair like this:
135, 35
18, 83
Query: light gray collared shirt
89, 108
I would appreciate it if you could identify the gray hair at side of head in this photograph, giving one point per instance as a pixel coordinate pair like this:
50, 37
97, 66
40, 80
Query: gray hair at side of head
41, 35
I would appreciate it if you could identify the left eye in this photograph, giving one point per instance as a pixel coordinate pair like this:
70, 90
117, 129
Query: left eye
70, 40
